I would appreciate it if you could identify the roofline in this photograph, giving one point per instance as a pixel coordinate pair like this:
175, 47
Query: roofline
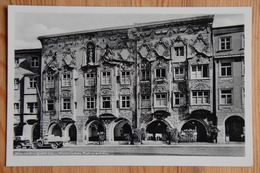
28, 50
232, 26
135, 25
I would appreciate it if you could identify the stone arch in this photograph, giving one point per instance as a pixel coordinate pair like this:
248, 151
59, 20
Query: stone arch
71, 132
93, 129
156, 129
234, 128
120, 128
196, 129
55, 129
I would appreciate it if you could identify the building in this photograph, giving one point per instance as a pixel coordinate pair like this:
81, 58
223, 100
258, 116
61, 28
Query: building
176, 74
153, 76
26, 102
229, 82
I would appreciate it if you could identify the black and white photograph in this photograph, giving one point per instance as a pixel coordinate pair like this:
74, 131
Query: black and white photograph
129, 86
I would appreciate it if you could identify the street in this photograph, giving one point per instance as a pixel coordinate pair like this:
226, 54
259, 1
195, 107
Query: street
201, 149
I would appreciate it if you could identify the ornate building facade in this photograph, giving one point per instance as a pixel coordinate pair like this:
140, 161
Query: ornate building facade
153, 76
175, 74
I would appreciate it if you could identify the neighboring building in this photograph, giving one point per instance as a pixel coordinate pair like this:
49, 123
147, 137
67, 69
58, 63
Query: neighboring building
26, 98
153, 76
229, 82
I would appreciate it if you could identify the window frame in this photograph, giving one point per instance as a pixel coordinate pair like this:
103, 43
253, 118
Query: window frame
90, 80
110, 102
35, 62
123, 78
34, 106
68, 102
48, 104
179, 76
49, 83
145, 75
226, 69
197, 70
17, 107
176, 53
16, 83
66, 81
126, 102
202, 97
106, 78
180, 98
160, 100
32, 82
230, 42
90, 102
226, 98
145, 100
160, 73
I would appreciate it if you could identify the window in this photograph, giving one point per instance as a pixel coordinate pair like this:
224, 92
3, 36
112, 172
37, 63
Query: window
50, 82
145, 75
125, 77
35, 62
160, 100
243, 67
89, 102
16, 107
178, 73
16, 83
33, 82
199, 71
66, 104
125, 101
200, 97
179, 51
66, 81
225, 43
179, 99
106, 104
226, 69
243, 41
50, 105
17, 62
145, 101
226, 97
32, 107
90, 79
106, 78
160, 73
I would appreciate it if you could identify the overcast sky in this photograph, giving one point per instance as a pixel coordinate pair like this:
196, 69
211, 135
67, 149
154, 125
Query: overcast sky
28, 26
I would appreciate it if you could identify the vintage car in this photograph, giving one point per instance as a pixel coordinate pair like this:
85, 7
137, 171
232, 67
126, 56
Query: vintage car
21, 142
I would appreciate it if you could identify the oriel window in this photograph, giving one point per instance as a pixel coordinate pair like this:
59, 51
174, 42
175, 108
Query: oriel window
66, 79
145, 75
161, 100
90, 79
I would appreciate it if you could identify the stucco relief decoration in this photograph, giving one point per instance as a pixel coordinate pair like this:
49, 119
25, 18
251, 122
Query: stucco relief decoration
145, 88
201, 44
199, 59
158, 88
199, 86
90, 92
125, 55
144, 50
162, 49
106, 91
66, 93
125, 91
69, 58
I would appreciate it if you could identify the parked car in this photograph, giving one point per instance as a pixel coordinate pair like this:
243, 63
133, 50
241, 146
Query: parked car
50, 142
20, 142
